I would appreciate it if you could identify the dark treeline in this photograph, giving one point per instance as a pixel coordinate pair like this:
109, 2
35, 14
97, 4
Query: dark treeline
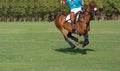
42, 10
29, 10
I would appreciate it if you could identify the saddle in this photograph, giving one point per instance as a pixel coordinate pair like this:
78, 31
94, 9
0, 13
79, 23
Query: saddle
78, 17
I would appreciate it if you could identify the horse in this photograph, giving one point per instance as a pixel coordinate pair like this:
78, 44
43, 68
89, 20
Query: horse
82, 25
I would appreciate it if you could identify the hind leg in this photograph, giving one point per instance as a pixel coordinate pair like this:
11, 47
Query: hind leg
73, 38
67, 39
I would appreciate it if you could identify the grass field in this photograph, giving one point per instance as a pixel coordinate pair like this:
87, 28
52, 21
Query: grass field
39, 46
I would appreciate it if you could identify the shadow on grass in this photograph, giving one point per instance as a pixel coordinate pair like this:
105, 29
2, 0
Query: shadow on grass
72, 51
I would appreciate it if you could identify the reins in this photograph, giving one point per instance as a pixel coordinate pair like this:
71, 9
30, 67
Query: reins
81, 15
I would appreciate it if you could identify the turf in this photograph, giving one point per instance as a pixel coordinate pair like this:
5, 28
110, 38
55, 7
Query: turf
39, 46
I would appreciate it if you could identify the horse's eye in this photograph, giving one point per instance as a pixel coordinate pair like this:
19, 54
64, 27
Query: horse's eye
95, 9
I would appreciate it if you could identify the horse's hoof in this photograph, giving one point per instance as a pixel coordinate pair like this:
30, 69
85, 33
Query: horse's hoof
81, 42
83, 45
77, 43
87, 42
75, 48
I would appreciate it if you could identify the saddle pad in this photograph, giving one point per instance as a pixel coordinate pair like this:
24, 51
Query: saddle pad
68, 18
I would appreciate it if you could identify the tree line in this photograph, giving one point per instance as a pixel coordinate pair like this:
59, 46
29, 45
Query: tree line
45, 10
111, 9
29, 10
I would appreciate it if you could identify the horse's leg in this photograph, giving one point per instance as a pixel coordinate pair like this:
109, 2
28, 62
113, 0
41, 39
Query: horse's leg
86, 40
73, 38
67, 39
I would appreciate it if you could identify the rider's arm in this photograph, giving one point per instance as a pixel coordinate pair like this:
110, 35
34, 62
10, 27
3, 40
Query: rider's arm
63, 1
83, 2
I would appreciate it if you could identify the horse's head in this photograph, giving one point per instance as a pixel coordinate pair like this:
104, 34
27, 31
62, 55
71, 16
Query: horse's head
93, 9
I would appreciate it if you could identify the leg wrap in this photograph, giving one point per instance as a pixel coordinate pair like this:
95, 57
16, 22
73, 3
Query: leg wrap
72, 37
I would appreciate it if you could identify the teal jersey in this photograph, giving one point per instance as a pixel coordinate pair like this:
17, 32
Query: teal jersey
74, 4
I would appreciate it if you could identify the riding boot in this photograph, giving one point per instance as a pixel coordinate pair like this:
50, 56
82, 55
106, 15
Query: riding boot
73, 26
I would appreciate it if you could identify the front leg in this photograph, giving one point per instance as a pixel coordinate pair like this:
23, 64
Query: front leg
86, 40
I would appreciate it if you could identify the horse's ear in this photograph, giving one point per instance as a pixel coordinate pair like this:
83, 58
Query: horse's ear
89, 1
93, 1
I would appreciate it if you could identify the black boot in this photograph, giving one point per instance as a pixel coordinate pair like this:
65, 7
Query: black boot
73, 26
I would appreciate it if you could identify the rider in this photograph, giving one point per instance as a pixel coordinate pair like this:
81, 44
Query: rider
75, 6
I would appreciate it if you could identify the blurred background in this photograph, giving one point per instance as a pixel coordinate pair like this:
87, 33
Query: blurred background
46, 10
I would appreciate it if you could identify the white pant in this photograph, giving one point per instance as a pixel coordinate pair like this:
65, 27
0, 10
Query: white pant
75, 11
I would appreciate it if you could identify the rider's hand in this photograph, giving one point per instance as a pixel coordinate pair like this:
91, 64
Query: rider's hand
62, 2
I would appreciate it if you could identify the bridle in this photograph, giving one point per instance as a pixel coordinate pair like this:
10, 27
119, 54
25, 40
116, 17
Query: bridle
93, 11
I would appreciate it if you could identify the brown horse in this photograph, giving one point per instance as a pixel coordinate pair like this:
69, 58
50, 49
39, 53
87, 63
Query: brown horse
83, 25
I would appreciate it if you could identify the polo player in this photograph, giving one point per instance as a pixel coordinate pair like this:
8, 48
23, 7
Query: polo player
75, 7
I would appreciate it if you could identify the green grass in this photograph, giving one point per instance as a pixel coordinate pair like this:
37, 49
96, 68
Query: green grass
39, 46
